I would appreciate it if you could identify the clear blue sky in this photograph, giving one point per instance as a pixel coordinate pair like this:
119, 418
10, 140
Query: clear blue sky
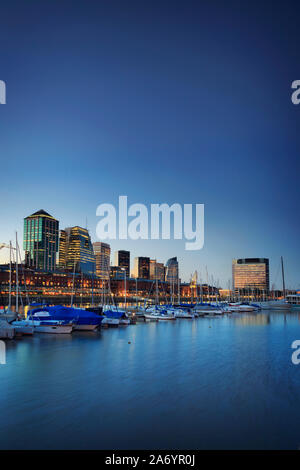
162, 101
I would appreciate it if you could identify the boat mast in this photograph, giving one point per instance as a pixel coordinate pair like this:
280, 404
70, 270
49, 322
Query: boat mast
73, 284
81, 289
136, 300
17, 278
283, 281
201, 290
156, 285
9, 297
125, 293
208, 290
24, 278
93, 286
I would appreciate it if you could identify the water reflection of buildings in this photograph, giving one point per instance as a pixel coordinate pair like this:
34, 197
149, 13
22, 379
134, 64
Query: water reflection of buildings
261, 319
256, 319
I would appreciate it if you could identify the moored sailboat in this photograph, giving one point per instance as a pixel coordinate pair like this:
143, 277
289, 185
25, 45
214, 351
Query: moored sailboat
47, 326
79, 318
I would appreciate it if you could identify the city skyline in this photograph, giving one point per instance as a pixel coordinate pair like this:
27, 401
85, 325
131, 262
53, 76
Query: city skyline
63, 247
198, 112
149, 229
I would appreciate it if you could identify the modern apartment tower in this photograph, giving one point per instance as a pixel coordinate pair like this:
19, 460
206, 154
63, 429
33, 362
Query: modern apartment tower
102, 256
40, 241
76, 251
122, 259
141, 267
250, 274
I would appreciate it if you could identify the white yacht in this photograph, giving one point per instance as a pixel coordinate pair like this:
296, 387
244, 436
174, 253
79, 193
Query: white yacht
24, 329
183, 314
156, 314
275, 305
114, 322
53, 327
238, 307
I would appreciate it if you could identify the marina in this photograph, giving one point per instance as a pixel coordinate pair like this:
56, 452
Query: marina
149, 246
110, 361
170, 384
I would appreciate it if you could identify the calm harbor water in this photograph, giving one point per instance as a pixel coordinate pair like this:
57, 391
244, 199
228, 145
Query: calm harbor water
194, 384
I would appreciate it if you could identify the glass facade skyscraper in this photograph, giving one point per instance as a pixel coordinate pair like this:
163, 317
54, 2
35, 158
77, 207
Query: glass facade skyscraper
76, 251
250, 273
40, 241
172, 270
102, 257
141, 267
122, 259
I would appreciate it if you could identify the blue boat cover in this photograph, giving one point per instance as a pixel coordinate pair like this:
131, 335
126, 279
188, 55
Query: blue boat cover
68, 315
114, 314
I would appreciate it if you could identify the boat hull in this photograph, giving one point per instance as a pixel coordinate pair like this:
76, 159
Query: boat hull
149, 317
85, 327
110, 322
24, 330
273, 305
54, 329
182, 316
152, 317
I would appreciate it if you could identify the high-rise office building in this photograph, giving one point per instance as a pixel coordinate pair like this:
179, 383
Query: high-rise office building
117, 273
251, 273
157, 270
62, 251
172, 270
122, 259
40, 241
102, 255
141, 267
76, 251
